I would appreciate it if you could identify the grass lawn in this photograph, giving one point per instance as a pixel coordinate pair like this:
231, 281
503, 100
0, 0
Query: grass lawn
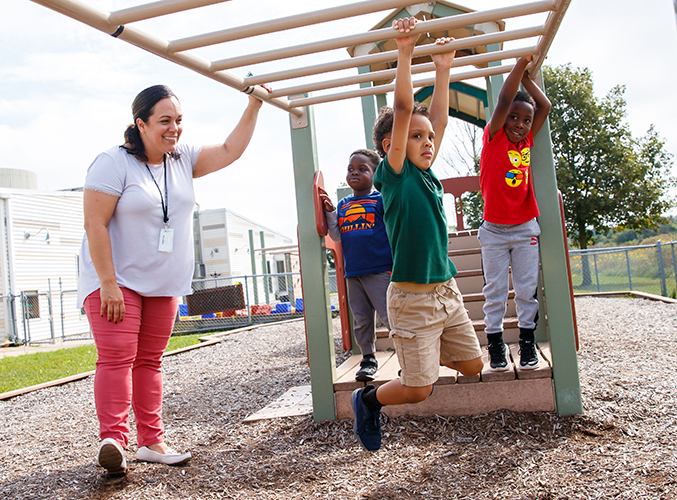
31, 369
616, 283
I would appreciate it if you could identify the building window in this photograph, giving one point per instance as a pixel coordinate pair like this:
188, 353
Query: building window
281, 280
32, 305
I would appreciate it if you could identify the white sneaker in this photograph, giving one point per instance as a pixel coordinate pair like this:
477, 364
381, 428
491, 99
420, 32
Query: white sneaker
169, 457
112, 457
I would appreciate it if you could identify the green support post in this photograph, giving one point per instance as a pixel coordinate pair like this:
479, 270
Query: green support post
264, 267
253, 260
381, 100
494, 83
369, 111
313, 257
290, 280
369, 115
555, 276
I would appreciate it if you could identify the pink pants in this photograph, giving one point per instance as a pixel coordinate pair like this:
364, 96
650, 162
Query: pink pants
128, 369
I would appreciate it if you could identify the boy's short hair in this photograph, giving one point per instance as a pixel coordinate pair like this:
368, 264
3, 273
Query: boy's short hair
384, 124
524, 97
374, 159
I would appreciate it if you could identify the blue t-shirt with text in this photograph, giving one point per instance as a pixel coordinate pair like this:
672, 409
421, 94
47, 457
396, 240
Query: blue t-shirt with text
366, 249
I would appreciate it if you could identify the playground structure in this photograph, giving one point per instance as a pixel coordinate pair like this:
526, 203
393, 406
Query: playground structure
479, 45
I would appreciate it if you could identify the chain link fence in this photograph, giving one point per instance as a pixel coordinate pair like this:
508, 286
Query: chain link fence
43, 317
645, 268
231, 302
216, 304
234, 302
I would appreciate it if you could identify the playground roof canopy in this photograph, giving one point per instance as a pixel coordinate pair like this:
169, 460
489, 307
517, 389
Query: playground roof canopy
480, 36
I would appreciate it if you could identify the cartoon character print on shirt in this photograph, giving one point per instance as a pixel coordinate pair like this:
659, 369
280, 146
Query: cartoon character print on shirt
515, 176
357, 218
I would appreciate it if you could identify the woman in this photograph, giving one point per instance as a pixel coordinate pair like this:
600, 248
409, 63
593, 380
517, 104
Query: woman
137, 259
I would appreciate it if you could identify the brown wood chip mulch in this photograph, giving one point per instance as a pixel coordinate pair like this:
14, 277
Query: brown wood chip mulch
622, 447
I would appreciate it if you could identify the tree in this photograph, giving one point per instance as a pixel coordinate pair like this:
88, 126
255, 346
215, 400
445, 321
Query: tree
463, 159
608, 179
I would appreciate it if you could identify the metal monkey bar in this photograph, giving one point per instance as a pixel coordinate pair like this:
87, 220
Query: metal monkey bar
120, 24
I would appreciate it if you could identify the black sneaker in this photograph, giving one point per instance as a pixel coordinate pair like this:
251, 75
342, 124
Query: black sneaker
498, 356
368, 369
367, 425
528, 357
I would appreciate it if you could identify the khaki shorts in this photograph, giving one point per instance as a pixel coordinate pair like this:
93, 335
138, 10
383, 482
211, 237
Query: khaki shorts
429, 329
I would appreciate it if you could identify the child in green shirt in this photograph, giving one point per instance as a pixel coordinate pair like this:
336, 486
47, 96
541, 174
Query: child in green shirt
429, 324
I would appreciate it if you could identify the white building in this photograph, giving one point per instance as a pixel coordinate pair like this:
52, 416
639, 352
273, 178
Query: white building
40, 237
228, 245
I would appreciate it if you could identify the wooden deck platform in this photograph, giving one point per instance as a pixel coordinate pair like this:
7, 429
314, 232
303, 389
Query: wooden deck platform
515, 389
454, 394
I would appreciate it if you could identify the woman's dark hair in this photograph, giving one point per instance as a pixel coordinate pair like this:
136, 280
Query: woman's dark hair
374, 159
143, 107
384, 125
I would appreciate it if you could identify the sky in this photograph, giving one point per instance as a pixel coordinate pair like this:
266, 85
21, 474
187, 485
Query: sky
66, 90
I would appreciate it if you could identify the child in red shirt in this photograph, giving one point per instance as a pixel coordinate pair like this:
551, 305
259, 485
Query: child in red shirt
509, 234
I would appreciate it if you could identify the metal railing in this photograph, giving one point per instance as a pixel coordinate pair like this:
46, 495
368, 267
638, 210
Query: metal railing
646, 268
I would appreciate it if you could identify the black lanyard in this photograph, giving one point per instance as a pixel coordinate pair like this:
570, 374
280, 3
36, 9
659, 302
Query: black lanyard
165, 201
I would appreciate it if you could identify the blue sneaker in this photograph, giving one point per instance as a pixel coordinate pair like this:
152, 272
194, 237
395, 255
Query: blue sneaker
367, 425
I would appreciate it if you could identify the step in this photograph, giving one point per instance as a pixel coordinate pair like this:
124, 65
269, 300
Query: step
470, 258
470, 281
516, 390
474, 302
463, 239
543, 371
511, 333
383, 340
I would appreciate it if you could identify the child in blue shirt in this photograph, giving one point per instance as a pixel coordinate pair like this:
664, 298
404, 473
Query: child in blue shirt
357, 222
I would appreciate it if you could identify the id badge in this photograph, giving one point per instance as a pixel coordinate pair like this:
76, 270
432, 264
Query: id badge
166, 240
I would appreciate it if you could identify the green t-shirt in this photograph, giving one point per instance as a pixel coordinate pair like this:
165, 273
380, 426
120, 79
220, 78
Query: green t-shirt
416, 223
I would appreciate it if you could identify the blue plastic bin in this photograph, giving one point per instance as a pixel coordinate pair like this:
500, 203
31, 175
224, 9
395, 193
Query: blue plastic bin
282, 307
299, 305
183, 309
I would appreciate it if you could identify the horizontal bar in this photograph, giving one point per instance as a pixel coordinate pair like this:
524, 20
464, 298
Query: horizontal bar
597, 251
284, 23
199, 65
450, 22
389, 74
552, 24
155, 9
83, 12
98, 18
382, 89
421, 50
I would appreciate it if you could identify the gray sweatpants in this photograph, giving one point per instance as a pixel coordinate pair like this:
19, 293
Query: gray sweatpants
514, 246
367, 294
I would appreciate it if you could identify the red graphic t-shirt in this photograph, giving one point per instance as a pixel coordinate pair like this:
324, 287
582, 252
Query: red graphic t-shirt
505, 179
